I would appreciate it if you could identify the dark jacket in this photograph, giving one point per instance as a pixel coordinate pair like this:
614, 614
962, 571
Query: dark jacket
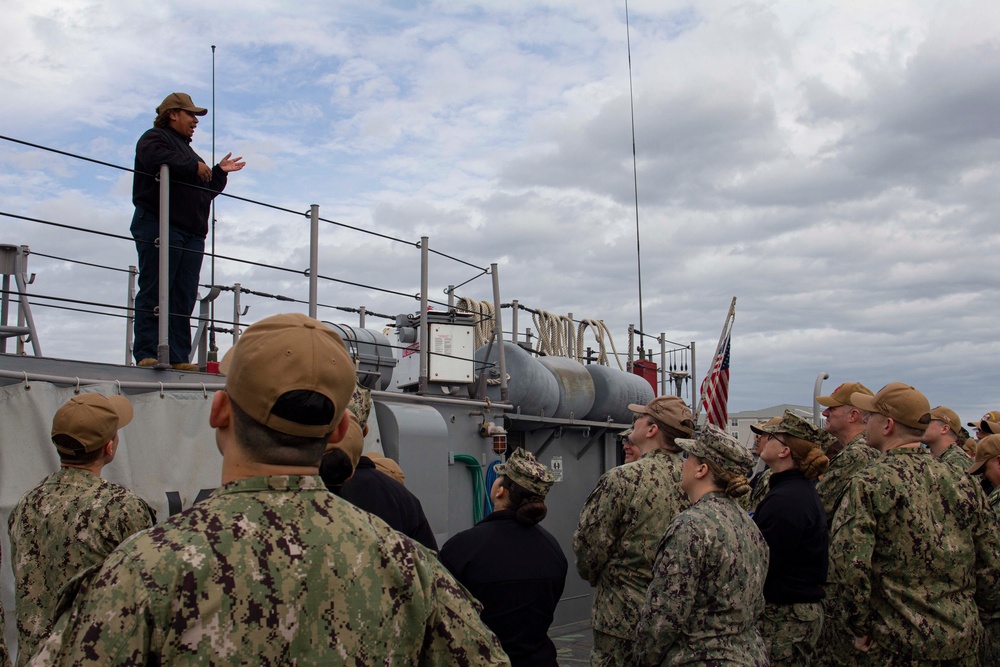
189, 206
375, 492
792, 520
518, 574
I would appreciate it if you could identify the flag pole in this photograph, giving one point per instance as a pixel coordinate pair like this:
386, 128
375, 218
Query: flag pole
730, 316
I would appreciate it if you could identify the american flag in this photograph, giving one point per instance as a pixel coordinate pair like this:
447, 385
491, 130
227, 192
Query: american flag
715, 387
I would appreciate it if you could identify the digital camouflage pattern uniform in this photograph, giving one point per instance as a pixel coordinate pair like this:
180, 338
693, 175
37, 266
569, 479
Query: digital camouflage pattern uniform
4, 656
707, 591
66, 524
761, 485
272, 571
615, 543
913, 552
835, 645
993, 500
955, 456
990, 651
855, 455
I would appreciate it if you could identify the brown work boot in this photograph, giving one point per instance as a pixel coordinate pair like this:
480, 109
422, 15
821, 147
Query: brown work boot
184, 367
147, 362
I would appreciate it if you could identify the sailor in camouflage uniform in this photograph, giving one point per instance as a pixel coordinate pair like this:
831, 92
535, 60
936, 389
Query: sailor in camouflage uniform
707, 592
913, 546
989, 424
848, 455
73, 519
272, 569
942, 435
624, 520
759, 483
4, 656
987, 464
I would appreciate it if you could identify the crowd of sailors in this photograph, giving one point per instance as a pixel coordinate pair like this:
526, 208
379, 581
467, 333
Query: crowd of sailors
867, 541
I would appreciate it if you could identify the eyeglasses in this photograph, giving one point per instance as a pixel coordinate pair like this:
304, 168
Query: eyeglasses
771, 436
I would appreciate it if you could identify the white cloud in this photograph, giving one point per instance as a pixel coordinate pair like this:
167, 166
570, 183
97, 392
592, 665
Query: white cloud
833, 166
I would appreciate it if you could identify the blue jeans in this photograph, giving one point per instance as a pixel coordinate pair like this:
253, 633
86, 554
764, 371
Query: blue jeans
186, 253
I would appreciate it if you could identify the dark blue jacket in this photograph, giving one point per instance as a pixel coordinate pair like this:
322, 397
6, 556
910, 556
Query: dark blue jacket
792, 520
189, 206
518, 574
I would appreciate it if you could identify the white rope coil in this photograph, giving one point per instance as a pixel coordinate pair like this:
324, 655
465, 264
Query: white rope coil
485, 317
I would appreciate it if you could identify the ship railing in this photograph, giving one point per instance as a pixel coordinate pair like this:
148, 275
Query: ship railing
208, 324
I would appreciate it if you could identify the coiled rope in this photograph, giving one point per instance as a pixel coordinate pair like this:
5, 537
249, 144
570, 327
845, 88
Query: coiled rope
551, 330
600, 330
485, 317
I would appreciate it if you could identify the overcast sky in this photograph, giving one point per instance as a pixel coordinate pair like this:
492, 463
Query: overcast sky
832, 165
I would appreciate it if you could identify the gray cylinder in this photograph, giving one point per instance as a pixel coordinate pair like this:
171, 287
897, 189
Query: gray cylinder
373, 351
531, 386
576, 388
613, 391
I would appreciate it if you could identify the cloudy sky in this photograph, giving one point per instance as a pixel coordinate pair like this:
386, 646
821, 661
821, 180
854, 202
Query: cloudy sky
832, 165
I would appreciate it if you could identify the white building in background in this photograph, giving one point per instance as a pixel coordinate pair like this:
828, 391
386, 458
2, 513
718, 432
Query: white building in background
739, 422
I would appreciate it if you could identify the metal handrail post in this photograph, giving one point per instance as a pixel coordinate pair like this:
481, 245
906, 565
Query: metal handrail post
631, 347
663, 363
313, 259
513, 321
570, 337
694, 386
236, 313
163, 309
498, 328
425, 326
130, 318
817, 388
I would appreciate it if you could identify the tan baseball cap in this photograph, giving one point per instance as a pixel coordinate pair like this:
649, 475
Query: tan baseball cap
950, 417
897, 401
388, 466
91, 420
180, 101
986, 449
286, 353
992, 416
352, 444
671, 410
842, 394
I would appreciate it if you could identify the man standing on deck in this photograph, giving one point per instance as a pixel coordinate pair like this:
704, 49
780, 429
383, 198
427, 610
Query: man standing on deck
914, 545
623, 521
73, 519
273, 569
193, 186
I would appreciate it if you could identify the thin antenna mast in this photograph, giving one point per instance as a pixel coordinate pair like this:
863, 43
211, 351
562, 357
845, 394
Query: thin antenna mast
213, 349
635, 176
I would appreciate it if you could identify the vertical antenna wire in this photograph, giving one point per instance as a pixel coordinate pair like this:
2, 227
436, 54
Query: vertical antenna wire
635, 176
211, 317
